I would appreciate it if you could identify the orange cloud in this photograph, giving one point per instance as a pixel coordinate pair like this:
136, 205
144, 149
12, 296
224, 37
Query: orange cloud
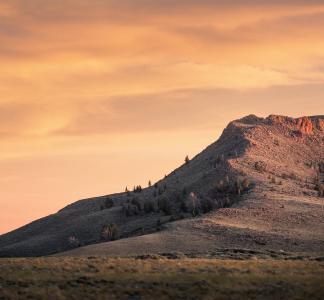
87, 81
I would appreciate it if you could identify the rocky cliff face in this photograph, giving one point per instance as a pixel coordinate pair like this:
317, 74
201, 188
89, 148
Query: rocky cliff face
253, 159
304, 125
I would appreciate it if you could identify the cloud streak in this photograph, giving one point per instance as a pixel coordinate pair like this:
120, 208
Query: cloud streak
102, 77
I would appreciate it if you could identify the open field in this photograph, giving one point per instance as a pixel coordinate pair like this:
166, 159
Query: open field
159, 277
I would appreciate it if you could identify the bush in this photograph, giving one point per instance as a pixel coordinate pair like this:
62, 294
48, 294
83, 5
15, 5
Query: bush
130, 210
109, 232
183, 206
207, 205
238, 187
108, 203
260, 166
158, 224
149, 206
137, 203
321, 191
165, 206
160, 191
74, 242
220, 186
321, 167
273, 180
246, 184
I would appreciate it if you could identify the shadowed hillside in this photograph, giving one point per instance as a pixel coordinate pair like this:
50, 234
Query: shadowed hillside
260, 186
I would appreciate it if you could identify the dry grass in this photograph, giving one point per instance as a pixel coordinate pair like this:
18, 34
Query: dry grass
122, 278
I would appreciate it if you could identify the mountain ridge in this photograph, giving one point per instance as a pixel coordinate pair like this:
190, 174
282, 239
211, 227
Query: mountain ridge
250, 158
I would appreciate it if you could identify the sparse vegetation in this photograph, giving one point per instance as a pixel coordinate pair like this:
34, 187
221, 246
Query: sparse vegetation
132, 208
136, 203
149, 206
110, 232
207, 205
273, 180
260, 166
137, 189
164, 205
159, 277
237, 186
158, 224
321, 190
107, 203
74, 242
321, 167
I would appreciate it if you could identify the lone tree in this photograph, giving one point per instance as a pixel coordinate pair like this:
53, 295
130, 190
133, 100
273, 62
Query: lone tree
149, 183
187, 160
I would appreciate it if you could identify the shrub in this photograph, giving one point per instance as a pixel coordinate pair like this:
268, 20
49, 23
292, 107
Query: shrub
130, 210
292, 176
273, 180
74, 242
220, 186
109, 232
260, 166
149, 206
165, 205
108, 203
158, 224
137, 203
238, 187
321, 190
321, 167
183, 206
206, 205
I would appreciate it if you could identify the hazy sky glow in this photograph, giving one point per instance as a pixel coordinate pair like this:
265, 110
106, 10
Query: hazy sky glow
99, 94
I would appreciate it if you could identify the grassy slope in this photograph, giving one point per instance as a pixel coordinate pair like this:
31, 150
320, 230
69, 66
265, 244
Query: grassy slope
122, 278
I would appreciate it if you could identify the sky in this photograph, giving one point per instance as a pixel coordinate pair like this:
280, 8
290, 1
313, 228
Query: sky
97, 95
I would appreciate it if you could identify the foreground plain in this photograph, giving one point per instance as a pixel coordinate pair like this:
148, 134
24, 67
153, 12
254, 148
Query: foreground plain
160, 278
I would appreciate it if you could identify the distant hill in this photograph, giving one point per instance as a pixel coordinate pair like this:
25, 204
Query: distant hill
260, 186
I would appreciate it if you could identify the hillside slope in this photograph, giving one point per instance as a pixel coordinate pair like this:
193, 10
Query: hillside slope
258, 186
